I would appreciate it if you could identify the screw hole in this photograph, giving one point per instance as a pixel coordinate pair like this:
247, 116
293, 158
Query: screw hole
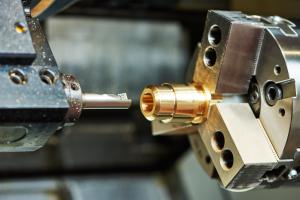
218, 141
282, 112
47, 76
20, 27
227, 159
207, 159
273, 93
74, 87
210, 57
18, 76
277, 70
214, 35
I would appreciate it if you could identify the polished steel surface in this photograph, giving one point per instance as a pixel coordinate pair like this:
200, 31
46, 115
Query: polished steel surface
105, 101
276, 124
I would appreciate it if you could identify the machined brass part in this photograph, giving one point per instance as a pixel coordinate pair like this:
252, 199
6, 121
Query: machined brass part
177, 103
41, 7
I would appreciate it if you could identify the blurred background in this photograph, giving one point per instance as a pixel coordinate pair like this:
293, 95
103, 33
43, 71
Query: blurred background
116, 46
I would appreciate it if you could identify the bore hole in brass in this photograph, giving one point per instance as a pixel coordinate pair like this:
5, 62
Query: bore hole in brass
210, 57
227, 159
277, 70
218, 141
20, 27
214, 35
282, 112
147, 102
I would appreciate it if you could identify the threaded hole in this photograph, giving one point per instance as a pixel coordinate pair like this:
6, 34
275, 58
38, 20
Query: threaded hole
207, 159
282, 112
277, 70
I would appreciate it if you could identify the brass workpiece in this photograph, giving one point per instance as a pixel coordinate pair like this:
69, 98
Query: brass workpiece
41, 7
182, 103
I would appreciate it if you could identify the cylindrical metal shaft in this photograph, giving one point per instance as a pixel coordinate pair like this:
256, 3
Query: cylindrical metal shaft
175, 103
105, 101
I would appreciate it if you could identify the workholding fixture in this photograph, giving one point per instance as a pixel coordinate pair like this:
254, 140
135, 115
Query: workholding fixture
241, 107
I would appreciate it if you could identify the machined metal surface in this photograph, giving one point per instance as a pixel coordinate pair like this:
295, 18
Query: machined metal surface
37, 99
202, 155
74, 96
41, 7
230, 145
226, 60
78, 100
277, 118
14, 28
46, 8
176, 103
252, 142
30, 103
105, 101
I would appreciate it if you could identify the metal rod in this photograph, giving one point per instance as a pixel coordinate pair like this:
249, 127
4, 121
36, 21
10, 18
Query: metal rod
105, 101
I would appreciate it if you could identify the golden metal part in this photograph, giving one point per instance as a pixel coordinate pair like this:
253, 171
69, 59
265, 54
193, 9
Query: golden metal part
160, 128
41, 7
176, 103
